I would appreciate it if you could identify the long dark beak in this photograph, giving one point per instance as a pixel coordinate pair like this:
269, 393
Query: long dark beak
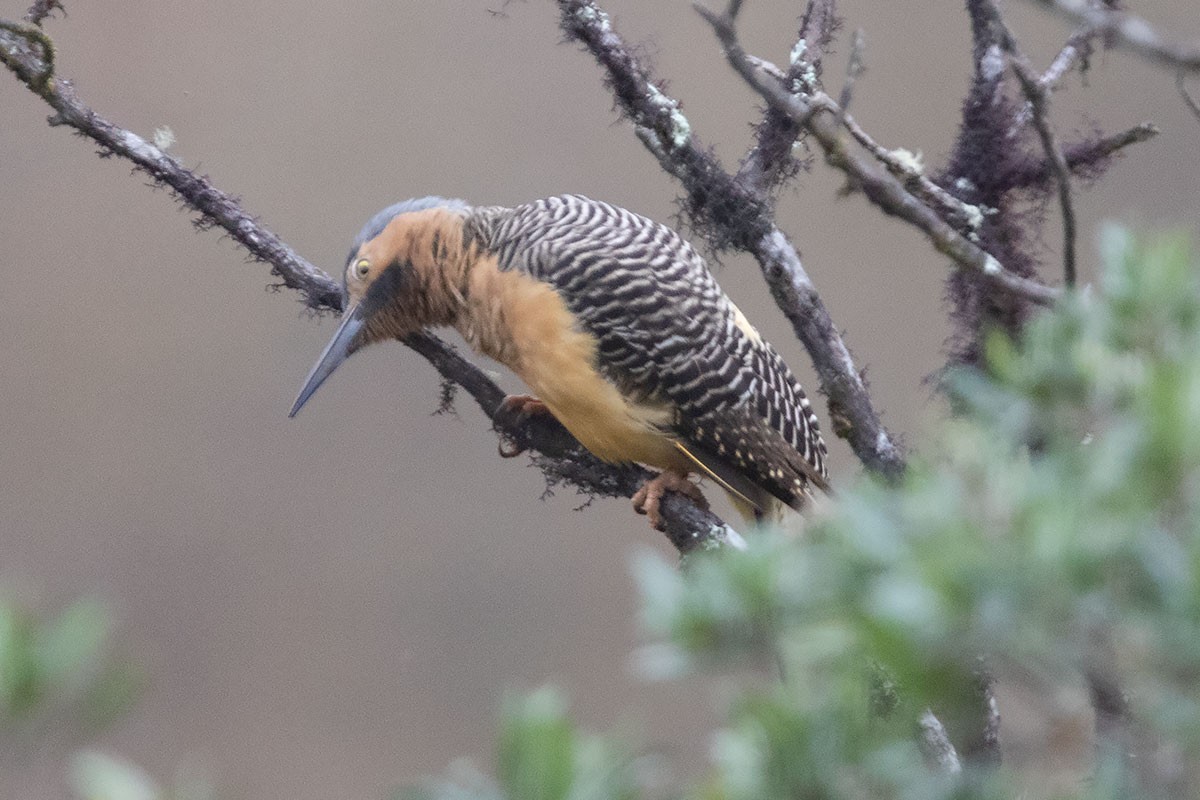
335, 353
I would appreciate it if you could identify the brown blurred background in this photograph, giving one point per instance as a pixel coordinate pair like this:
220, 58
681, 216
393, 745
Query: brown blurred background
333, 605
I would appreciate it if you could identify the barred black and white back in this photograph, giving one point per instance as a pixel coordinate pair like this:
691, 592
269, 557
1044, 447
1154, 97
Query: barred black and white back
667, 334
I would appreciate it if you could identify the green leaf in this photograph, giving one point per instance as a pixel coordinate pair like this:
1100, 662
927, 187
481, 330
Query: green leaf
537, 748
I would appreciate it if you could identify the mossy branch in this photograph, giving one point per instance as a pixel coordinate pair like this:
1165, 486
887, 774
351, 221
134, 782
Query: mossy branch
29, 53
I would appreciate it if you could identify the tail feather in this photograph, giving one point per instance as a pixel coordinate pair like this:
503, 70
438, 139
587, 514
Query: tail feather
732, 480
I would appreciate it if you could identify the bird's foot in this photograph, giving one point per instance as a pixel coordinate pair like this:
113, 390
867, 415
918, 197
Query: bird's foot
646, 499
524, 404
521, 406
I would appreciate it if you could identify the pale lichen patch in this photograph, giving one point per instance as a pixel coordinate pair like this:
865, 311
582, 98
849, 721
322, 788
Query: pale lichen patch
907, 160
164, 137
992, 63
590, 15
799, 50
681, 129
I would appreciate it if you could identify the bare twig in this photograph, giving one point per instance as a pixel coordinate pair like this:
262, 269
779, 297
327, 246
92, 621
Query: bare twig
1076, 47
880, 187
985, 151
733, 212
1130, 31
41, 9
937, 751
215, 206
27, 52
1181, 85
854, 68
32, 54
906, 166
935, 745
817, 27
1080, 157
771, 160
1039, 103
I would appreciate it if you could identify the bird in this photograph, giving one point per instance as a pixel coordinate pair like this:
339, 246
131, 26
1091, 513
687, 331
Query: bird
616, 325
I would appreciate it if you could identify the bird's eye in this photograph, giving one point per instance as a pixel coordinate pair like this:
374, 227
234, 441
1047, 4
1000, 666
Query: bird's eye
362, 268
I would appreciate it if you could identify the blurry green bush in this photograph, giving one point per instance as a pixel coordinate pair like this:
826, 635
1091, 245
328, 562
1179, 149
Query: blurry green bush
1051, 529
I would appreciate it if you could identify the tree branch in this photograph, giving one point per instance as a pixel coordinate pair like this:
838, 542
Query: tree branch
42, 9
1077, 46
770, 161
1181, 85
215, 206
1039, 103
731, 212
906, 167
903, 164
1080, 157
854, 69
28, 52
881, 188
1129, 31
989, 149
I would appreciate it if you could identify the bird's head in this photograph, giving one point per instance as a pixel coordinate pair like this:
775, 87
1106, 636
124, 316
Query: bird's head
393, 285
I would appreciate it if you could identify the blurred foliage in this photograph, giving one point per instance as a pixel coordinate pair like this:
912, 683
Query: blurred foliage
1050, 529
96, 776
62, 680
61, 668
541, 756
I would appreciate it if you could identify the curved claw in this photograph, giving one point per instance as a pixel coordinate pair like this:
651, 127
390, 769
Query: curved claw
646, 499
520, 405
508, 447
525, 405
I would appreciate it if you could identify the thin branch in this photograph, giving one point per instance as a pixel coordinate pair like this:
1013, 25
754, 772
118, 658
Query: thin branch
817, 27
32, 56
1077, 46
907, 168
1039, 103
1130, 31
770, 161
41, 9
215, 206
880, 187
854, 68
1181, 85
564, 461
732, 212
988, 147
28, 53
1080, 157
